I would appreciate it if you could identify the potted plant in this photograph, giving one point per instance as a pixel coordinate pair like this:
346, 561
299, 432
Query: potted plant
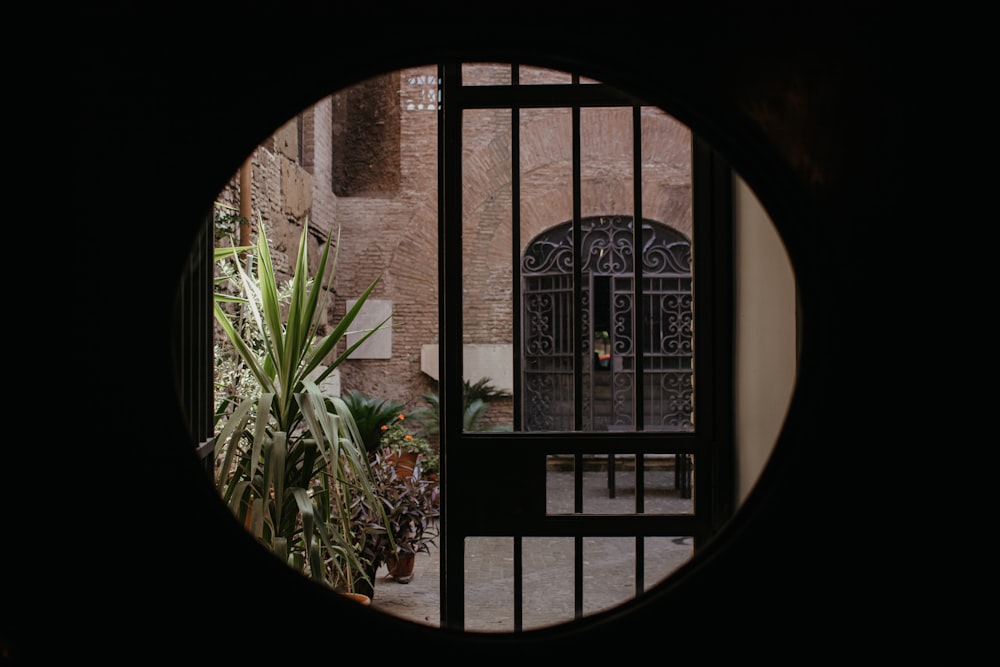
401, 447
380, 422
404, 524
290, 462
405, 521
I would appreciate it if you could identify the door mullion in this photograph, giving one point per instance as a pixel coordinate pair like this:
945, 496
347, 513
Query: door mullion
463, 520
638, 305
577, 277
450, 316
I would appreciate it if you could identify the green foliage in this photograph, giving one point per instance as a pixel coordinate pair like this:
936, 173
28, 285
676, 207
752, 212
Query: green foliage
291, 464
227, 221
397, 438
476, 399
371, 414
431, 464
405, 520
483, 390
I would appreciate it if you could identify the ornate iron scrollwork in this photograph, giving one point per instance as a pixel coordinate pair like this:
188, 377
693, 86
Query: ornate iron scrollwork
606, 249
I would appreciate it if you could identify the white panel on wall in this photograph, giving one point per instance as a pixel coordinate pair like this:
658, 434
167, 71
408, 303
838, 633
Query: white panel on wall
331, 385
479, 360
379, 346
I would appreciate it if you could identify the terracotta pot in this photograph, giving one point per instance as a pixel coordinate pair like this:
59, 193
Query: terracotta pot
401, 567
405, 463
359, 597
363, 587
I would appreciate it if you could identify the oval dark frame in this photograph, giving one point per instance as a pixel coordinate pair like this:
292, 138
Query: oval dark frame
161, 127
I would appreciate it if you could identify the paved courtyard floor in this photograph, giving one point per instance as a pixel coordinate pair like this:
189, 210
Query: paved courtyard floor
609, 563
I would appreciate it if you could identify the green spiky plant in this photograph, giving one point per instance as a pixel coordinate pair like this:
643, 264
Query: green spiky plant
291, 463
476, 398
371, 414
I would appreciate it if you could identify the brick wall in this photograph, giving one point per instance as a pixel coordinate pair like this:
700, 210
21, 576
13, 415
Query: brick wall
377, 182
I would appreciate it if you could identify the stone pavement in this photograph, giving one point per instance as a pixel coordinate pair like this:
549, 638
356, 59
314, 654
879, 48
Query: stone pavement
609, 563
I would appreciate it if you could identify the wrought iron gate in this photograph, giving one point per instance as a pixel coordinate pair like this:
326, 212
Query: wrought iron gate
607, 303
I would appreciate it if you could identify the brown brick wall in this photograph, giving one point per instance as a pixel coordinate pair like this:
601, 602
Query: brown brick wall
365, 139
387, 174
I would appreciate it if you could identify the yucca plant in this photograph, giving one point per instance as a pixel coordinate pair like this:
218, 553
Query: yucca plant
291, 463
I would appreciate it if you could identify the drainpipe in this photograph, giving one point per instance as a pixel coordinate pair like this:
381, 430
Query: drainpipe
245, 198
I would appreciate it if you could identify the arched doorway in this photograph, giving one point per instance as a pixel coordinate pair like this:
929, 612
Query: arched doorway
609, 301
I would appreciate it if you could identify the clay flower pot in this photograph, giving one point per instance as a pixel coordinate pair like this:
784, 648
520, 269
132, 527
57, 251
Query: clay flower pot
405, 463
359, 597
401, 567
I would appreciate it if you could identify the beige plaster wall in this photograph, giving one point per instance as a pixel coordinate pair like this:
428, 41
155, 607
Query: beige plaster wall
765, 335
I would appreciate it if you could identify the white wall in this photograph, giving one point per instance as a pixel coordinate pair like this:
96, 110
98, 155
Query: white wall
486, 360
765, 362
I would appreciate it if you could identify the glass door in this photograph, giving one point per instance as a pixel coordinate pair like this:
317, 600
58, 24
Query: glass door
579, 499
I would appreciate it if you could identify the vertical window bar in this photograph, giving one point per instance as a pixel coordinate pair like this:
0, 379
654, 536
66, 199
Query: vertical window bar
518, 585
577, 279
515, 242
450, 304
640, 564
193, 344
578, 483
638, 386
577, 351
206, 350
578, 577
638, 308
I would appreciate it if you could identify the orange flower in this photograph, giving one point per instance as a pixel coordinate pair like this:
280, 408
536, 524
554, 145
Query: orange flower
408, 436
401, 416
384, 427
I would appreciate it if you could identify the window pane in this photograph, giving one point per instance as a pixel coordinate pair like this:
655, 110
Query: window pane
486, 74
620, 335
487, 268
663, 555
548, 581
489, 584
535, 75
546, 208
607, 185
668, 307
609, 484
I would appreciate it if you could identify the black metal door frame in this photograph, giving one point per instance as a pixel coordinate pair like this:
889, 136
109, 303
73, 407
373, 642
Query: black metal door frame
480, 499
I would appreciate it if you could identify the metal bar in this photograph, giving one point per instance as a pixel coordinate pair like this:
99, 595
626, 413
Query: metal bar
611, 475
577, 278
518, 585
541, 96
515, 249
578, 576
450, 288
638, 307
640, 564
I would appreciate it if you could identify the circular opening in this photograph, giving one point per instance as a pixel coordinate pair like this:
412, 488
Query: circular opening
358, 167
